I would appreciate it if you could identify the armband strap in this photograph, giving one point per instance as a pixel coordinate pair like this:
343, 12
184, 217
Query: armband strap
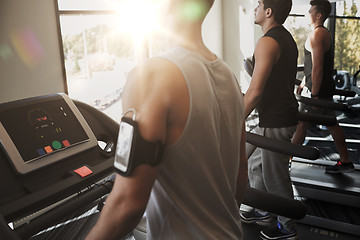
147, 152
150, 152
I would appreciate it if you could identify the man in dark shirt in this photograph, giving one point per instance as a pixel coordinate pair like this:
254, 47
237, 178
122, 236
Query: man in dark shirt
318, 69
271, 91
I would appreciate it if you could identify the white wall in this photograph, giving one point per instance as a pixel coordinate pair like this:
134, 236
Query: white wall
240, 35
229, 32
213, 28
30, 62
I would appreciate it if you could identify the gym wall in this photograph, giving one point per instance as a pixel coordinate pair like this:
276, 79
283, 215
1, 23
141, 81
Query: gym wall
30, 59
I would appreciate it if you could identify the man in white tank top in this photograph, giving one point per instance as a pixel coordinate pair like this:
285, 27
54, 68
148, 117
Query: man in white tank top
190, 100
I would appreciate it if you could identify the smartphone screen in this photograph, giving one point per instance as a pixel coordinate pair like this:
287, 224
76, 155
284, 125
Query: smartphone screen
123, 147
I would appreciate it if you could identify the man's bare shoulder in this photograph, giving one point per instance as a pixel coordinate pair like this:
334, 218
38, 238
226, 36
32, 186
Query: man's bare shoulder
155, 79
267, 47
319, 35
320, 31
155, 70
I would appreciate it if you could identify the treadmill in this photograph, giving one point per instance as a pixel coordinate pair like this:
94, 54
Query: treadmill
56, 158
333, 200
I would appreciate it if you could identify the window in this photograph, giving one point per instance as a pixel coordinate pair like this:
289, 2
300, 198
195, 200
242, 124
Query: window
347, 36
102, 42
97, 59
345, 27
299, 27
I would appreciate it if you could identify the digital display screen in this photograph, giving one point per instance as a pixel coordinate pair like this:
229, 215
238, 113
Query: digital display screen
38, 130
123, 147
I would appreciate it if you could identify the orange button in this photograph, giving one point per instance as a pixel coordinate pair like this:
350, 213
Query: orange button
48, 149
83, 171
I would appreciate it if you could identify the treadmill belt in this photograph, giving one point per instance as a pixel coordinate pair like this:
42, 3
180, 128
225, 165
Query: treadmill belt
329, 152
333, 211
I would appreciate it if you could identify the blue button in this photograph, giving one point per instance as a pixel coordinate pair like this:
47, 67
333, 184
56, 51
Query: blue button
41, 151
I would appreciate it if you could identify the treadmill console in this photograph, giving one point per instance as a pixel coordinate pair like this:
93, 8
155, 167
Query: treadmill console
39, 131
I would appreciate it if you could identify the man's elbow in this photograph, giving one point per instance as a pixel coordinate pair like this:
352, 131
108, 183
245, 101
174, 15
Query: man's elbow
252, 96
131, 218
251, 101
134, 213
130, 214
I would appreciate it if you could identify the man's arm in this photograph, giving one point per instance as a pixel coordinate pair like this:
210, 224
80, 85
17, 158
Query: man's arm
146, 90
242, 179
125, 205
300, 88
267, 53
317, 51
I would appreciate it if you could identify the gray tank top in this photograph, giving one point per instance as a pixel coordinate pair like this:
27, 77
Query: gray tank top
194, 194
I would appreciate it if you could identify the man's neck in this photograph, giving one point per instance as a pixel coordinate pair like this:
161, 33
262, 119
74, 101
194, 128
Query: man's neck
267, 26
316, 24
191, 39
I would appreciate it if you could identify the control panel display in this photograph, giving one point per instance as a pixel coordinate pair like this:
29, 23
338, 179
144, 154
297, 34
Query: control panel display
38, 132
42, 129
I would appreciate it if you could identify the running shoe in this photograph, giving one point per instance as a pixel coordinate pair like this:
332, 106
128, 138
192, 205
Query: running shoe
255, 216
278, 232
340, 167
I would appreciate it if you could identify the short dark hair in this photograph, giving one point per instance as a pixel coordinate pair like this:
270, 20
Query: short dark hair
280, 9
323, 7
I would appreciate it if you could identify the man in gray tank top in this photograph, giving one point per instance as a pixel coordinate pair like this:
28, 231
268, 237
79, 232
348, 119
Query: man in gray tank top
271, 91
190, 100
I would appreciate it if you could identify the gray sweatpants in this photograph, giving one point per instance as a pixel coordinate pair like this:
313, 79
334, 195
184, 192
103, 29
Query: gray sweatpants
269, 171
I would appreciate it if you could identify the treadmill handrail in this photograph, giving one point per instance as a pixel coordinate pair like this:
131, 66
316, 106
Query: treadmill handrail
57, 214
282, 146
317, 118
6, 232
107, 121
278, 205
53, 193
323, 103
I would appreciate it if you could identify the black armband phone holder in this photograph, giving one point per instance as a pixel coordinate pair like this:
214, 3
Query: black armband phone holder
133, 150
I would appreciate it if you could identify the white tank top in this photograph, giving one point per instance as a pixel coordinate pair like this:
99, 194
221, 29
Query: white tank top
194, 194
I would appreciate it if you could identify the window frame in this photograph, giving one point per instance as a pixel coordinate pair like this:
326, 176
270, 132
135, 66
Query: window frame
331, 25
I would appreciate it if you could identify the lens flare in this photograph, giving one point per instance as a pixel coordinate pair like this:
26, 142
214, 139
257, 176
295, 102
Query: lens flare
27, 46
193, 10
139, 17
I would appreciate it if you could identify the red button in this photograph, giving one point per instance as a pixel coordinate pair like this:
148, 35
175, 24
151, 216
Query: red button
83, 171
66, 143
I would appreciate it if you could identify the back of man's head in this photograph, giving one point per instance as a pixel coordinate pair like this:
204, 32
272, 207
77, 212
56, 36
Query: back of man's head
192, 10
323, 7
280, 9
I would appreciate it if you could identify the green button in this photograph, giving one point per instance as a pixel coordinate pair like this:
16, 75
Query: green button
56, 144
